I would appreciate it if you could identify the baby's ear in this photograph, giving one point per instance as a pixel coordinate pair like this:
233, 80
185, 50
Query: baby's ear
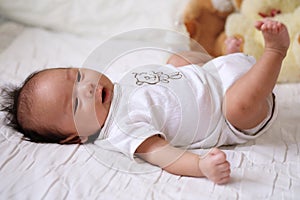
72, 139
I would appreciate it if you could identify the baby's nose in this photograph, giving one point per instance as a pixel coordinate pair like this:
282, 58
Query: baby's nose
88, 90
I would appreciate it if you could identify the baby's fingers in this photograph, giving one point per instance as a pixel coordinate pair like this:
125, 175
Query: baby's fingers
224, 167
221, 177
223, 180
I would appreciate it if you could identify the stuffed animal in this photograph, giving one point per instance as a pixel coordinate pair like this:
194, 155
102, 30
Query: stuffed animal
241, 24
209, 22
205, 21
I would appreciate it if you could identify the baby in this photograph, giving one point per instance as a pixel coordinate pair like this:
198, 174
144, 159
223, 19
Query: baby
156, 112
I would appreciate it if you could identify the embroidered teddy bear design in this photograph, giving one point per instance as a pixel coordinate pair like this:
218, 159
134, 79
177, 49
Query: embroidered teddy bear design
153, 77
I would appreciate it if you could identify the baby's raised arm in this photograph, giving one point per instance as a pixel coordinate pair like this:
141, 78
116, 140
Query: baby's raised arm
158, 151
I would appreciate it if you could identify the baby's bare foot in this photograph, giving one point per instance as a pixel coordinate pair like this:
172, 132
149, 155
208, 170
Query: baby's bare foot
215, 166
233, 45
275, 34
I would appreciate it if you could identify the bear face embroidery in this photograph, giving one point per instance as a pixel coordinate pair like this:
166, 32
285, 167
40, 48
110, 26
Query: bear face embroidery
153, 77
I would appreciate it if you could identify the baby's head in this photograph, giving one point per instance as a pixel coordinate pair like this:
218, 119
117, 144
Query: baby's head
60, 105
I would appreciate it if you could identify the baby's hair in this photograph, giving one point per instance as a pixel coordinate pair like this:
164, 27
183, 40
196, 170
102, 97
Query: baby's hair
10, 104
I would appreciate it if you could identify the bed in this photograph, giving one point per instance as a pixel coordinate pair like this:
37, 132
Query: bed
266, 168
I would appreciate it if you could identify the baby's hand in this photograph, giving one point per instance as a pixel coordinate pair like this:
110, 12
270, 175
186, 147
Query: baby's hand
215, 166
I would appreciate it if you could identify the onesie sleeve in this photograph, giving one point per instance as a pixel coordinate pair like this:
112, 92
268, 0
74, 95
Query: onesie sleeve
128, 138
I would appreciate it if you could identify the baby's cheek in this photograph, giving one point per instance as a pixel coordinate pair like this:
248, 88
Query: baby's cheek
86, 121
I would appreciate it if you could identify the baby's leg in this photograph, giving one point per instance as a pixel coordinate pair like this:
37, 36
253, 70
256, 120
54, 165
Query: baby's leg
189, 57
233, 45
245, 104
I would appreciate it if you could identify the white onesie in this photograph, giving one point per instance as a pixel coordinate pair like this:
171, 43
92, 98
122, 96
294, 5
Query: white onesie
183, 105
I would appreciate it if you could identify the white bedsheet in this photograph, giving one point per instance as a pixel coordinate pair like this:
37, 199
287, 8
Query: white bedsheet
267, 168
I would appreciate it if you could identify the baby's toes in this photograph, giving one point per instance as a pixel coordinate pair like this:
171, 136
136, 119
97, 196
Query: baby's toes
280, 26
230, 40
267, 28
276, 27
233, 45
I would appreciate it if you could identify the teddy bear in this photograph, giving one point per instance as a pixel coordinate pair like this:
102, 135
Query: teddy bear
210, 22
205, 21
241, 24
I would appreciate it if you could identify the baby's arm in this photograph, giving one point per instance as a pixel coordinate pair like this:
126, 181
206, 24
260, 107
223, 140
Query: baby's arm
158, 151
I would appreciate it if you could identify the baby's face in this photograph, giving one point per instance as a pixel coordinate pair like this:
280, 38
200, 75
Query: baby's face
73, 100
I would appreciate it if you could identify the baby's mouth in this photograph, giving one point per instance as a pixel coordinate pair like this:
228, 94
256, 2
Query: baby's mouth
103, 95
99, 94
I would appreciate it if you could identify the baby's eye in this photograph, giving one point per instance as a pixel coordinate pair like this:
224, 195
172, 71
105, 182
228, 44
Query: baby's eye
75, 105
78, 76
